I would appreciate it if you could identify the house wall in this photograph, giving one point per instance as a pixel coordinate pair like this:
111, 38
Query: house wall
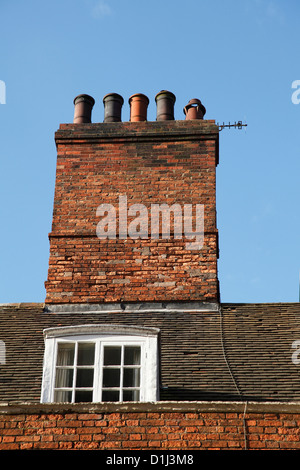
168, 426
150, 163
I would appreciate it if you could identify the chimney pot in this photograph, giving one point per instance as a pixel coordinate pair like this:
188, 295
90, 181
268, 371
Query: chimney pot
113, 107
83, 109
138, 107
165, 101
194, 110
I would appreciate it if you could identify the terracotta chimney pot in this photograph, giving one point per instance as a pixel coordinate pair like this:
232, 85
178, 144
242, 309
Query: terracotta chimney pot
165, 101
83, 109
194, 110
112, 107
138, 107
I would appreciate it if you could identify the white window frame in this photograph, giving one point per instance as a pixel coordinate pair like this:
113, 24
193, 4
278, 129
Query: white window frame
102, 335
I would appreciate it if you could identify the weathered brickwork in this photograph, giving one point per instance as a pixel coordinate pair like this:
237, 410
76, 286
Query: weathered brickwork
169, 430
151, 163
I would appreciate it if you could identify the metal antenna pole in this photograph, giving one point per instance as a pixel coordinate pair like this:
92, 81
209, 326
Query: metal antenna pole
236, 125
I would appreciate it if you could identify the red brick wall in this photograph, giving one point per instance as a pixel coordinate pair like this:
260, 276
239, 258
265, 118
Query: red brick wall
155, 428
153, 162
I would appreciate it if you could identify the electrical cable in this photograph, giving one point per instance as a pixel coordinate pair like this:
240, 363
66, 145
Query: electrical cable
231, 374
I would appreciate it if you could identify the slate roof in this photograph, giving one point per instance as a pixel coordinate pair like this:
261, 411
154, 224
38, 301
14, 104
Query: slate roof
241, 352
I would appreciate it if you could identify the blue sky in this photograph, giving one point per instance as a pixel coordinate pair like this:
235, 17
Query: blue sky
239, 57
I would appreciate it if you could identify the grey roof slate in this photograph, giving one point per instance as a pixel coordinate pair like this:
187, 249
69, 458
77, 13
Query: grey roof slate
241, 352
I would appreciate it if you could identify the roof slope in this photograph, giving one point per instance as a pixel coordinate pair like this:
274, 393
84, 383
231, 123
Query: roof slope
242, 352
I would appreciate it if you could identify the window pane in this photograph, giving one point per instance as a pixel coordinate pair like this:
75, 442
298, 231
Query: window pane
86, 353
65, 354
110, 395
111, 378
112, 355
85, 377
62, 396
83, 396
131, 377
132, 355
131, 395
64, 378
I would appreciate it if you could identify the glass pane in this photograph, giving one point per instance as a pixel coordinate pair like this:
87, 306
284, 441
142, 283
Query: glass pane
132, 355
131, 395
64, 378
85, 377
65, 354
83, 396
111, 378
112, 355
110, 395
86, 353
62, 396
131, 377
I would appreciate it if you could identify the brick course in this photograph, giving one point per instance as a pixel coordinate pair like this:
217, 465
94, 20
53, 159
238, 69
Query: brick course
107, 428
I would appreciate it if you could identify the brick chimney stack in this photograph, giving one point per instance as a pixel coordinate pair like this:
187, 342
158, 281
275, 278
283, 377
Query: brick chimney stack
115, 176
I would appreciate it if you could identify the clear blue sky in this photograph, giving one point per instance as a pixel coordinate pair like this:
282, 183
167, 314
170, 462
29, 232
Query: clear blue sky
239, 57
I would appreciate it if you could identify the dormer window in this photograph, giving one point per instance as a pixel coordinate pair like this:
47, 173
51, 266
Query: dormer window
96, 363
